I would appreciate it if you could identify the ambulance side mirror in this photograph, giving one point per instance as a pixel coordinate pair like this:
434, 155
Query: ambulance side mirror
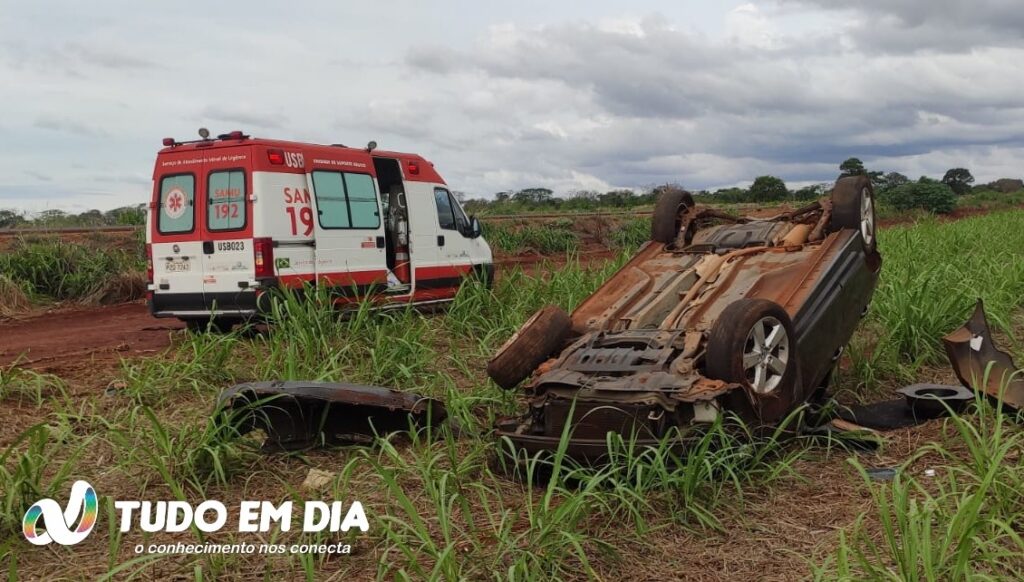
474, 227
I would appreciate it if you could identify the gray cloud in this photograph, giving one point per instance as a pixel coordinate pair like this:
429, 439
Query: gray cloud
668, 104
927, 25
67, 125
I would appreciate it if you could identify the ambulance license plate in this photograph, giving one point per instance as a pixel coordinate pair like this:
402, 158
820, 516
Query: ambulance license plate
178, 266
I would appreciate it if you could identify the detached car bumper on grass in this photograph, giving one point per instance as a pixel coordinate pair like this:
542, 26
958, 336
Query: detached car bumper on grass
715, 313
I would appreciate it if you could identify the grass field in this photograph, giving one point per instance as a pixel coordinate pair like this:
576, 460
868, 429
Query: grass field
441, 505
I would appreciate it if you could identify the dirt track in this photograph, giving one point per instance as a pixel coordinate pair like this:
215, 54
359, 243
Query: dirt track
56, 339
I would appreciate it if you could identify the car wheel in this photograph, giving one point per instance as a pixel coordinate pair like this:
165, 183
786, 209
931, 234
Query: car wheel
665, 221
540, 337
752, 343
853, 207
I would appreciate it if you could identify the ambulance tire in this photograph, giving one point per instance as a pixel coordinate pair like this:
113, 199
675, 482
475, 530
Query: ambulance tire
209, 324
665, 222
538, 339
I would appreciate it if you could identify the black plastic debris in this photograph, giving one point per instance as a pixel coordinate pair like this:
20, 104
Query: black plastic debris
920, 403
298, 415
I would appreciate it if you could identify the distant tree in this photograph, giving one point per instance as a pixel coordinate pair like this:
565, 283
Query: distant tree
588, 195
502, 196
459, 195
51, 217
852, 167
810, 192
931, 195
616, 198
11, 219
768, 189
891, 180
959, 180
534, 196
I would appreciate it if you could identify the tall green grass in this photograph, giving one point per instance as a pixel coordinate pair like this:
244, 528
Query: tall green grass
963, 523
54, 269
932, 274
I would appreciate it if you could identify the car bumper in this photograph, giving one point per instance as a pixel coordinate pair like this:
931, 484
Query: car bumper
243, 304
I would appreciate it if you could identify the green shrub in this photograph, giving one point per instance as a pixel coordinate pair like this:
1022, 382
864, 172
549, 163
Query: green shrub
934, 197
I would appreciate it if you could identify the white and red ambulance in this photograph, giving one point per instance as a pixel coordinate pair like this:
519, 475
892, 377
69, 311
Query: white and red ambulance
234, 217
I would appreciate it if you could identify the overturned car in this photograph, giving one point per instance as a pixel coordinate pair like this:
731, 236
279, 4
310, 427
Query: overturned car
715, 313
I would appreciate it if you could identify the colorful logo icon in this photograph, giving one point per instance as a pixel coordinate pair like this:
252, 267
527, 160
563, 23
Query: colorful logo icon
174, 203
57, 523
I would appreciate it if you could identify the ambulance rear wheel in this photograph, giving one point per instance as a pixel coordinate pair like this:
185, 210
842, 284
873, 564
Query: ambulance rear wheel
211, 324
537, 340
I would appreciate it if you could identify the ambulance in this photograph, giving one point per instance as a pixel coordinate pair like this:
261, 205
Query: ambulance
234, 217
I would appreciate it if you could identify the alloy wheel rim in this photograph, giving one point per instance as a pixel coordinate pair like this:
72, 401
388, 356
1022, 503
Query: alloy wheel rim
766, 355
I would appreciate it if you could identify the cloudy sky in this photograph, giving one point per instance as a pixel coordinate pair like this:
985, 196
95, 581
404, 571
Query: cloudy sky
568, 95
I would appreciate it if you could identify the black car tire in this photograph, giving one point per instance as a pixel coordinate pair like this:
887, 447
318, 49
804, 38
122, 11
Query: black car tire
540, 337
732, 347
853, 207
665, 221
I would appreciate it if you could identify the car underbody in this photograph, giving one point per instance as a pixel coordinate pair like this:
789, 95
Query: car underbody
658, 346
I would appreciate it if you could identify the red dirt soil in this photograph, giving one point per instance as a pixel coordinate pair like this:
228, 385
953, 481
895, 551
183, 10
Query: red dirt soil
54, 339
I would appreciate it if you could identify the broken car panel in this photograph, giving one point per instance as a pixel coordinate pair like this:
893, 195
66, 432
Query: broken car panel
297, 415
980, 365
715, 312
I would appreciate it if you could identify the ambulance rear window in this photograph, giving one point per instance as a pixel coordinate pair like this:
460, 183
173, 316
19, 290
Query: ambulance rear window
346, 200
225, 195
177, 213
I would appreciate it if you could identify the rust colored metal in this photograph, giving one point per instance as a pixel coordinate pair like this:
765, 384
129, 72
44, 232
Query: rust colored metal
296, 415
638, 363
980, 365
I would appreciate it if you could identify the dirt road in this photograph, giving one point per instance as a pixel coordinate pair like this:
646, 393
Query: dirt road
54, 339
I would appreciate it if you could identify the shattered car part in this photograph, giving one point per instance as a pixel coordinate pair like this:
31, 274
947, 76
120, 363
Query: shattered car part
717, 312
920, 403
927, 401
297, 415
980, 365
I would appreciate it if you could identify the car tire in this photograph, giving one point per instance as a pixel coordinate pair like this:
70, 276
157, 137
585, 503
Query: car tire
540, 337
665, 221
745, 347
853, 207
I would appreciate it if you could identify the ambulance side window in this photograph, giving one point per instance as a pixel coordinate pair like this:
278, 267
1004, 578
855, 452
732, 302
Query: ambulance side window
177, 195
225, 195
461, 221
449, 214
346, 200
445, 215
329, 189
362, 200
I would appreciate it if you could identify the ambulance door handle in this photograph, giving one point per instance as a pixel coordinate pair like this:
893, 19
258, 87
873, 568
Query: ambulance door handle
440, 240
380, 242
208, 247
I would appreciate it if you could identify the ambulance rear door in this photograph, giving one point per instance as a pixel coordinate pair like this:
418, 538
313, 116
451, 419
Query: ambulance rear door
177, 248
226, 230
